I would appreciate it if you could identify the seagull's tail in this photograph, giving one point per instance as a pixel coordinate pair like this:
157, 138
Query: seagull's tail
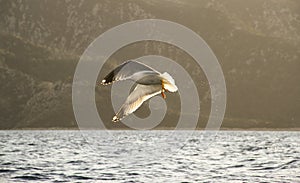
168, 82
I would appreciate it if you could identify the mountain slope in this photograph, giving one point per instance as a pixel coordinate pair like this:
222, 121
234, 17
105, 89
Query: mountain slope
257, 44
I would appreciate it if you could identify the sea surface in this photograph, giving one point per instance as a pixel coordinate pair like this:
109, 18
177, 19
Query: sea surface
149, 156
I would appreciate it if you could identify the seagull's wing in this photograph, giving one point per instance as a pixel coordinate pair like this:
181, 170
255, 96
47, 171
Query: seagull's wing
140, 94
126, 71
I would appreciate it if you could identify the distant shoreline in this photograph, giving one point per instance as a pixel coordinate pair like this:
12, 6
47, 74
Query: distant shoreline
157, 129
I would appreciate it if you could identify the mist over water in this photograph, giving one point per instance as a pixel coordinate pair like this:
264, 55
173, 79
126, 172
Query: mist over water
66, 156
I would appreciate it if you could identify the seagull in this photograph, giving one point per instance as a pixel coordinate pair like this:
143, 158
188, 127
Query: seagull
149, 83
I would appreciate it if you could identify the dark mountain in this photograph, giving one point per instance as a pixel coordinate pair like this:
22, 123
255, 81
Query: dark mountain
257, 44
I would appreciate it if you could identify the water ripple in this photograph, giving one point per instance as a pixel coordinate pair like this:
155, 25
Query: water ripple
65, 156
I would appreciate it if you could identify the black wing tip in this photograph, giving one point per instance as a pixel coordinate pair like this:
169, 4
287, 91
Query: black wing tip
115, 119
105, 82
110, 77
118, 118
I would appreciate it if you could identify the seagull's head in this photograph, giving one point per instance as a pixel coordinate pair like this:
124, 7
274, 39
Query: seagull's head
168, 83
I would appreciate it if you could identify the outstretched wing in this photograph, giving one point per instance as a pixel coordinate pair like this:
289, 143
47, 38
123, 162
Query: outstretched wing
126, 71
140, 94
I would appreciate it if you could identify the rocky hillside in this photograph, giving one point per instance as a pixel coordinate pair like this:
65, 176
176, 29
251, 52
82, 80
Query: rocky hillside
256, 42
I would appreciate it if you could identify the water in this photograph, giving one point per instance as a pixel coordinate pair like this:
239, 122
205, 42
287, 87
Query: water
144, 156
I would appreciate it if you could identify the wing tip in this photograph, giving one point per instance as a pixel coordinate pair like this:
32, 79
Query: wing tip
105, 82
115, 119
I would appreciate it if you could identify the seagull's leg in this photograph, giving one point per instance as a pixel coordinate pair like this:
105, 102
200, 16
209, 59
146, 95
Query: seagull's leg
163, 95
163, 91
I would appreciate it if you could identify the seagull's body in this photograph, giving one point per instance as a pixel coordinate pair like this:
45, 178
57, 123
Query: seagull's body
149, 83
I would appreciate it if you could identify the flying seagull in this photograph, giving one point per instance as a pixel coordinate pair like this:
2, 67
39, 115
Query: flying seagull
149, 83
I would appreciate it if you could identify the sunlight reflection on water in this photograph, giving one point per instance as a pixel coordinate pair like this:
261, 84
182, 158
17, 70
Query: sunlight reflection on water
47, 156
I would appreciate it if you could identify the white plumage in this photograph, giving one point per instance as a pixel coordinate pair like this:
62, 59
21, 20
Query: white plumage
149, 83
